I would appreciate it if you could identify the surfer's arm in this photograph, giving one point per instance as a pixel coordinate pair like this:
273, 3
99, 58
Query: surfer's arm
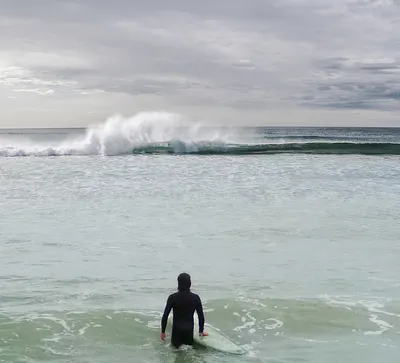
167, 310
200, 314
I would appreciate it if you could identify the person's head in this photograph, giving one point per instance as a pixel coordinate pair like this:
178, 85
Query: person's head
184, 282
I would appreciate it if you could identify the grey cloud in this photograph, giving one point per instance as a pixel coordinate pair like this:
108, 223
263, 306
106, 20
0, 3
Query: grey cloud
354, 95
133, 49
378, 67
230, 53
344, 83
346, 64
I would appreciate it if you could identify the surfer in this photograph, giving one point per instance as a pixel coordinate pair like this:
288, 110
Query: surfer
184, 303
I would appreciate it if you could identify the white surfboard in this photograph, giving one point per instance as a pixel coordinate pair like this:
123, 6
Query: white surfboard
215, 340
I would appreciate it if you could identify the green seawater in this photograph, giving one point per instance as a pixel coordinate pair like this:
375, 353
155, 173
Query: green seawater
295, 256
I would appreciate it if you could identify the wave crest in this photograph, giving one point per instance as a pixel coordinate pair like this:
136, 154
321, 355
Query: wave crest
119, 136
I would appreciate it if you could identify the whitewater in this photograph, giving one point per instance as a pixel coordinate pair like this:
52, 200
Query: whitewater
166, 133
291, 237
119, 135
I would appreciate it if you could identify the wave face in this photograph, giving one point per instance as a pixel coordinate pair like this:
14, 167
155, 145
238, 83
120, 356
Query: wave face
166, 133
296, 148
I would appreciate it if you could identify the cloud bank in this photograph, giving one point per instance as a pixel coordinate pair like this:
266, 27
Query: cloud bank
74, 62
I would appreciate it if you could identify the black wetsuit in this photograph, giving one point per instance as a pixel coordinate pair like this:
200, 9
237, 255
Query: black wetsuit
184, 303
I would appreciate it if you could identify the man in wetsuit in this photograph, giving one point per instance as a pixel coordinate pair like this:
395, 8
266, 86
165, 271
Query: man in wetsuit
184, 303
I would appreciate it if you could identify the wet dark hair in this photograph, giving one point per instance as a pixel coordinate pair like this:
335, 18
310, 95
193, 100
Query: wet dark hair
184, 281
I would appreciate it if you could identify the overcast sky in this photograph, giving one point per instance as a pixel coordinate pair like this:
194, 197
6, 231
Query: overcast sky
312, 62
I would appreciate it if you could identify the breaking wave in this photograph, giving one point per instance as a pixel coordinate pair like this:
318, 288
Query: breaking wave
119, 136
166, 133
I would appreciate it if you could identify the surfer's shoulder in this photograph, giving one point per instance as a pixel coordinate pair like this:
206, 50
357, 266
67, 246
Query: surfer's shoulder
196, 296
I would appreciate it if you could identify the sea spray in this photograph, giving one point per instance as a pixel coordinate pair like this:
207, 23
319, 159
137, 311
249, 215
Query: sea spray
119, 135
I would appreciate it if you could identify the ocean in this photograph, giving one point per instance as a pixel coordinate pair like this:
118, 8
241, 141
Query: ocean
291, 236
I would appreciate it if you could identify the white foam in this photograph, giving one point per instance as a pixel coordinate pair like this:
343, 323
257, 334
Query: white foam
252, 301
382, 325
83, 329
373, 307
277, 324
153, 324
315, 340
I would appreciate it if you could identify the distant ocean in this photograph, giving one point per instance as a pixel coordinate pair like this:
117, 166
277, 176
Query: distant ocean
291, 236
125, 138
